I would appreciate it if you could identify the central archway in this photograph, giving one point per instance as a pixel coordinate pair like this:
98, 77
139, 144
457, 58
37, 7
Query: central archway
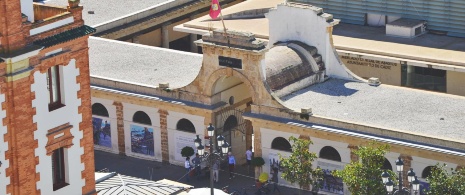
234, 94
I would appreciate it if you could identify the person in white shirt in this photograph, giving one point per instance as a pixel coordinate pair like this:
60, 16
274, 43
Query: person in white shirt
248, 157
187, 165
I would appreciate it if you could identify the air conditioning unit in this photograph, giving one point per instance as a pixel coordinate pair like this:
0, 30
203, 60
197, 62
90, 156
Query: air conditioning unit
407, 28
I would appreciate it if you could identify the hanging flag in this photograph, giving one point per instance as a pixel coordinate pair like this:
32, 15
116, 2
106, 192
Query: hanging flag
215, 9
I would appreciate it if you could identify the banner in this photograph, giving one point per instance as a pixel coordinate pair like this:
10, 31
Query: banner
102, 132
142, 140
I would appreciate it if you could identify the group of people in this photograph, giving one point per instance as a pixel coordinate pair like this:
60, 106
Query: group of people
216, 165
231, 165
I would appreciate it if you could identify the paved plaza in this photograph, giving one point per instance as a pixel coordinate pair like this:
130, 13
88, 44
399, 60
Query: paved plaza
156, 171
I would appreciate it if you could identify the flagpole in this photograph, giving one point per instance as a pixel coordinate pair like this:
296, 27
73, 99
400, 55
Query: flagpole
224, 27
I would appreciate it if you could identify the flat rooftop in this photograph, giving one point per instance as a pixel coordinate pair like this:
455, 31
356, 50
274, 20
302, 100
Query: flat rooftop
366, 39
403, 109
140, 64
106, 10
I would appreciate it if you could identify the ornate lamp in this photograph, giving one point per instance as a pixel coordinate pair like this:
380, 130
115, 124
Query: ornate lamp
210, 130
389, 186
411, 175
200, 149
225, 148
220, 140
197, 141
400, 165
416, 184
385, 176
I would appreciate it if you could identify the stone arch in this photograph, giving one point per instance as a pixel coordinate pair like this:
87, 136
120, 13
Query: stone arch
280, 143
142, 118
185, 125
99, 110
426, 172
218, 74
330, 153
386, 165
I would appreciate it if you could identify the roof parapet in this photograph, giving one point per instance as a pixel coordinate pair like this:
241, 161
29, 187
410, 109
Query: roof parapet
236, 39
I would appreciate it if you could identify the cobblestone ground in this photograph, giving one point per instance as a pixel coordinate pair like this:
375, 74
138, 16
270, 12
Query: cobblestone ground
156, 171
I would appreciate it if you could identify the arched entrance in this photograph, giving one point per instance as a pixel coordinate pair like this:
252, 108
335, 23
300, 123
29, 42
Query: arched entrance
235, 96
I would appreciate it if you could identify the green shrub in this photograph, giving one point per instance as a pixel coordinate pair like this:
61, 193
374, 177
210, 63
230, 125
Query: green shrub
258, 161
187, 151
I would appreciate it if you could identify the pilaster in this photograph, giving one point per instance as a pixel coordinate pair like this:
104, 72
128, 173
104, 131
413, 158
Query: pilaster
353, 156
120, 127
164, 135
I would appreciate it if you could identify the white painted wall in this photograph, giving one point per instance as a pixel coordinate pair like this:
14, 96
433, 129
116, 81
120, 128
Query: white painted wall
27, 8
128, 112
288, 23
341, 148
113, 126
47, 120
419, 164
51, 26
268, 135
4, 181
179, 139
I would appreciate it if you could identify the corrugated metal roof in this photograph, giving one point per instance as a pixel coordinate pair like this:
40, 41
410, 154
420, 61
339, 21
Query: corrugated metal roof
65, 36
127, 185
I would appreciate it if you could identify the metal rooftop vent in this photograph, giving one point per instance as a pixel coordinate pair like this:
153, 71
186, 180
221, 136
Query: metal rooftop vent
374, 81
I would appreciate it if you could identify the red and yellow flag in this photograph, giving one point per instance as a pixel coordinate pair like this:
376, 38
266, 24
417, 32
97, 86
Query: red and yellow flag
215, 9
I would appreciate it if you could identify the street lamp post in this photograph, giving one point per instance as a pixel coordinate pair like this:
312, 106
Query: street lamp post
213, 155
412, 179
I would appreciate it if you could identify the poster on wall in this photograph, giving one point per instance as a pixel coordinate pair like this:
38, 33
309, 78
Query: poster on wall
275, 165
102, 132
181, 142
142, 140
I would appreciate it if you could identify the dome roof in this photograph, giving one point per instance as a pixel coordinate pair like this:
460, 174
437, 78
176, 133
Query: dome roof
284, 66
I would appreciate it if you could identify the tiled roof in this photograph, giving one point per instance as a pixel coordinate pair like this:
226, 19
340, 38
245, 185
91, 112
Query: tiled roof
65, 36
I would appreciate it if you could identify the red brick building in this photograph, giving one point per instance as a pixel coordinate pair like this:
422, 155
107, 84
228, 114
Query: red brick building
46, 142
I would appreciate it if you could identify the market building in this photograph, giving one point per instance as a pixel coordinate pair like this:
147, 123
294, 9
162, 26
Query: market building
46, 133
149, 102
393, 53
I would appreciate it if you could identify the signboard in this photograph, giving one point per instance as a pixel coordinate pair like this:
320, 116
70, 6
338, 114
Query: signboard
230, 62
351, 60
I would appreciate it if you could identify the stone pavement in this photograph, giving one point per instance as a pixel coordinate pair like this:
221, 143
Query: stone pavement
147, 169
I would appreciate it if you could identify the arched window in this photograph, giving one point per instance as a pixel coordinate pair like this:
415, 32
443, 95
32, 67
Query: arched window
387, 165
426, 172
99, 110
185, 125
230, 123
280, 143
142, 118
330, 153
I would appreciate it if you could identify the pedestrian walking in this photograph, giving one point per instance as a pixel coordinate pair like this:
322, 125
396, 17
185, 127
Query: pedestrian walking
216, 168
187, 165
248, 157
196, 161
232, 165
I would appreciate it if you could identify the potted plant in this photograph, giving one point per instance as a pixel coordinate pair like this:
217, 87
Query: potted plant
187, 151
258, 162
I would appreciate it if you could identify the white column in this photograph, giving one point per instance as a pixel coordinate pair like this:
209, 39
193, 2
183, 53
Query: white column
165, 38
193, 37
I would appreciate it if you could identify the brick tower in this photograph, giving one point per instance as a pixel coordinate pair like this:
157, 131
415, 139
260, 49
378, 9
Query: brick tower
46, 142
